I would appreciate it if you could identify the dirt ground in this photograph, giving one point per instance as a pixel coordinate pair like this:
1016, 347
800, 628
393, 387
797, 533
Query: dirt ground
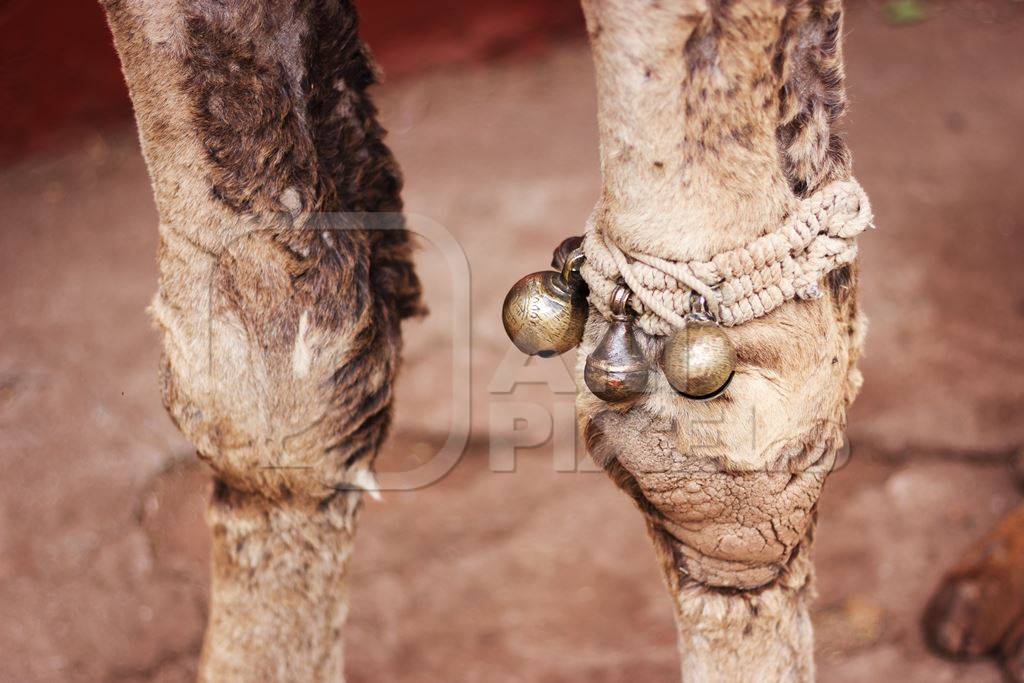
540, 573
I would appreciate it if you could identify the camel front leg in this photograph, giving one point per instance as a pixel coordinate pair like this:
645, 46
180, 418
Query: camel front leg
715, 119
279, 314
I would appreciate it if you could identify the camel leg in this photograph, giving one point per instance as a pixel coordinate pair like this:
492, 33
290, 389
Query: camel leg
280, 325
715, 118
979, 607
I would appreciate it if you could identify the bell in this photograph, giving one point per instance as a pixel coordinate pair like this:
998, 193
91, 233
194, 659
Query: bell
616, 370
699, 360
544, 313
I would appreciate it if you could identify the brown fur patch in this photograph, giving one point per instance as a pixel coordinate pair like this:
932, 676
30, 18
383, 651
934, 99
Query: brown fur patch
269, 131
812, 97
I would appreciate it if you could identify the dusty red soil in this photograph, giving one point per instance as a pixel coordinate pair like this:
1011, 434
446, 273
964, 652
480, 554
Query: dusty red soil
536, 574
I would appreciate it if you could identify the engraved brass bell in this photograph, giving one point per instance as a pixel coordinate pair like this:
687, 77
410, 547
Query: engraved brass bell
544, 313
617, 370
699, 360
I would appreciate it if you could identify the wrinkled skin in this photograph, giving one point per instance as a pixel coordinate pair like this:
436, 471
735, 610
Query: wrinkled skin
729, 487
733, 483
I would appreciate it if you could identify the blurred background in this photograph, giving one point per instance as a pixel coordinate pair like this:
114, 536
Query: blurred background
543, 572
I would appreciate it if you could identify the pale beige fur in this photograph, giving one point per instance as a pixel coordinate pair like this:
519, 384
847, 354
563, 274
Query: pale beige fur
692, 164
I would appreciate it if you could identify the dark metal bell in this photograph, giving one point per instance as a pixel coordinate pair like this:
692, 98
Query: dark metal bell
616, 370
699, 360
544, 313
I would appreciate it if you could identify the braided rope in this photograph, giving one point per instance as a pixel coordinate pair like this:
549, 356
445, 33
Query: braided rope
743, 283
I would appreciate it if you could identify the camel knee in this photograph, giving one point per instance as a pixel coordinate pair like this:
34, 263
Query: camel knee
285, 398
748, 530
724, 527
731, 485
290, 438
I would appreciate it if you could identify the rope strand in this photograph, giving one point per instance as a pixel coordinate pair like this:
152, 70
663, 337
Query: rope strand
743, 283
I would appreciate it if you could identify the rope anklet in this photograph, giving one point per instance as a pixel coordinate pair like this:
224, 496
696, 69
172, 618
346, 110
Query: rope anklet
740, 284
544, 313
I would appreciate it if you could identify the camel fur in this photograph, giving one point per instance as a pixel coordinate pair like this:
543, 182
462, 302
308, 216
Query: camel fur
279, 319
715, 118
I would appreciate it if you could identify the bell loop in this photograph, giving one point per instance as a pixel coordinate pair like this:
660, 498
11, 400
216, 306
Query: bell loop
619, 304
571, 267
564, 249
699, 309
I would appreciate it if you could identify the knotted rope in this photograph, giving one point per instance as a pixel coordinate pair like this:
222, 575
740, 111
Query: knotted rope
743, 283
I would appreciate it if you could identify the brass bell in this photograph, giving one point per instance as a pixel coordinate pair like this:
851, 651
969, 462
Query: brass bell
544, 313
617, 370
699, 360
